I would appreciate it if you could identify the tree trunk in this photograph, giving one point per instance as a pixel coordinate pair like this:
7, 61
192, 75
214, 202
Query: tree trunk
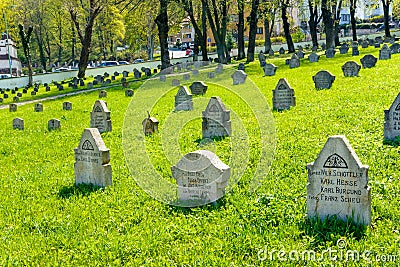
85, 51
386, 4
286, 27
240, 28
25, 39
253, 30
196, 48
313, 22
73, 43
163, 29
329, 24
267, 36
42, 56
353, 6
203, 44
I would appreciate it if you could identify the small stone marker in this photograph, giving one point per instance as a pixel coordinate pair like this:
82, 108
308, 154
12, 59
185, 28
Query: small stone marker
195, 72
53, 124
201, 178
186, 76
176, 82
354, 49
33, 93
92, 160
270, 69
377, 45
102, 93
323, 79
150, 125
300, 54
211, 75
330, 52
18, 124
314, 48
38, 107
261, 56
129, 92
281, 50
344, 48
385, 53
271, 52
67, 105
183, 99
351, 69
392, 120
294, 62
338, 184
15, 99
262, 63
137, 74
395, 48
198, 88
239, 77
241, 66
163, 78
124, 73
313, 57
368, 61
283, 96
219, 68
100, 117
12, 107
365, 44
125, 84
216, 119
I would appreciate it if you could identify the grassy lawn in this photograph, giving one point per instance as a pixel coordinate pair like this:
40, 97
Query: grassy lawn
47, 221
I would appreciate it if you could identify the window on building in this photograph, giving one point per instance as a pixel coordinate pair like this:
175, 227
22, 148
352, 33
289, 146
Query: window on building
260, 30
189, 35
345, 17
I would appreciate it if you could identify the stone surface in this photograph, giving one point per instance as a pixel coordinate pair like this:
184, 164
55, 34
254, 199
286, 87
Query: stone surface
211, 75
300, 54
385, 53
261, 56
53, 124
395, 48
271, 52
219, 68
283, 96
186, 76
270, 69
67, 105
201, 178
12, 107
281, 50
313, 57
163, 78
350, 69
323, 79
294, 62
183, 99
216, 119
18, 123
392, 120
368, 61
330, 52
354, 49
100, 117
195, 72
198, 88
176, 82
338, 184
38, 107
241, 66
344, 48
262, 63
102, 93
150, 125
92, 160
365, 44
15, 99
129, 92
239, 77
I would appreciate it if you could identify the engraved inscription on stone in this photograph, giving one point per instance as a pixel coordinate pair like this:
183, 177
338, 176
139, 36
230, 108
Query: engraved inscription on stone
283, 96
216, 119
100, 117
323, 79
368, 61
198, 88
183, 99
350, 69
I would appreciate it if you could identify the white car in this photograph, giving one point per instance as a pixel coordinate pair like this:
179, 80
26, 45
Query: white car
5, 76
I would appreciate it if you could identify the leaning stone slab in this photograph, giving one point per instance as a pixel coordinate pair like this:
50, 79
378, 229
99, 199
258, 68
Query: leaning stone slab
338, 184
323, 79
392, 120
92, 160
283, 96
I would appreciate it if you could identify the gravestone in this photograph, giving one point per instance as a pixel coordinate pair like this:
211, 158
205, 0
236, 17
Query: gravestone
211, 75
351, 69
123, 80
116, 73
294, 62
183, 99
81, 83
261, 56
47, 88
5, 96
300, 54
344, 48
241, 66
239, 77
1, 100
216, 119
262, 63
129, 92
90, 84
53, 124
102, 93
112, 78
395, 48
271, 52
323, 46
219, 68
15, 99
392, 120
283, 96
314, 48
198, 88
67, 105
150, 125
368, 61
270, 69
377, 45
313, 57
100, 117
385, 53
330, 52
38, 107
176, 82
338, 184
281, 50
163, 78
186, 77
18, 124
106, 74
354, 49
201, 178
323, 79
137, 74
195, 72
92, 160
147, 72
32, 93
12, 107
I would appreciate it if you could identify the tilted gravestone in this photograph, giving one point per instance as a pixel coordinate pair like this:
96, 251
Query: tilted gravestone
12, 107
338, 184
129, 92
150, 125
294, 62
392, 120
283, 96
377, 45
176, 82
323, 79
100, 117
92, 160
270, 69
313, 57
38, 107
330, 52
198, 88
351, 69
344, 48
183, 99
385, 53
102, 93
53, 124
241, 66
216, 119
67, 105
201, 178
239, 77
18, 124
368, 61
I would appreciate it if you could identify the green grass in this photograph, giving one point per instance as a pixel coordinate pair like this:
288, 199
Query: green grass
47, 221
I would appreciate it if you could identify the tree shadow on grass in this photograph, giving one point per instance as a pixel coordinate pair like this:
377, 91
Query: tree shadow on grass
393, 143
176, 208
205, 141
78, 190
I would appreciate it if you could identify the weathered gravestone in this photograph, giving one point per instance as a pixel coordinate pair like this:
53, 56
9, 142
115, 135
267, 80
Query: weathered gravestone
102, 93
395, 48
67, 105
283, 96
281, 50
38, 107
216, 119
106, 74
262, 63
323, 46
183, 99
300, 54
344, 48
377, 45
129, 92
150, 125
53, 124
12, 107
271, 52
338, 184
261, 56
365, 44
33, 93
124, 73
211, 75
239, 77
19, 94
270, 69
294, 62
15, 99
163, 78
198, 88
354, 49
368, 61
219, 68
313, 57
176, 82
330, 52
92, 160
201, 178
241, 66
116, 73
351, 69
195, 72
18, 124
137, 74
385, 53
186, 76
392, 120
100, 117
147, 72
323, 79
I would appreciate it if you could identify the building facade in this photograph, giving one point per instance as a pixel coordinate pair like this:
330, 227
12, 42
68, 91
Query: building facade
9, 57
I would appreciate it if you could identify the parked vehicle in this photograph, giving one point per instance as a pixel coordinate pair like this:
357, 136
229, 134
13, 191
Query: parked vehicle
189, 52
108, 63
139, 60
382, 27
123, 62
5, 76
